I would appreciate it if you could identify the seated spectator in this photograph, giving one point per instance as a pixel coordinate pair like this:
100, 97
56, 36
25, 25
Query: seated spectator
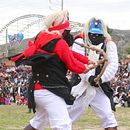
7, 100
116, 98
124, 99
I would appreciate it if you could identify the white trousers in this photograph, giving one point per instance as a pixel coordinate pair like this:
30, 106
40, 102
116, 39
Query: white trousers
100, 104
50, 107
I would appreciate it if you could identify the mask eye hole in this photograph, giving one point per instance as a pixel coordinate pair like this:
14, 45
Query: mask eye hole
90, 34
93, 35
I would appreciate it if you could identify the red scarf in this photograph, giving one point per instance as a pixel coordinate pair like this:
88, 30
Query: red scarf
65, 25
42, 39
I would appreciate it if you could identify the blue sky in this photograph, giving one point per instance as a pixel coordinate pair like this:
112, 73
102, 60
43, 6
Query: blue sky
115, 13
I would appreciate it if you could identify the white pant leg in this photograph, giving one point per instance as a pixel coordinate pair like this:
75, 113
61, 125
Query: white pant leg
54, 107
81, 102
101, 105
40, 120
76, 109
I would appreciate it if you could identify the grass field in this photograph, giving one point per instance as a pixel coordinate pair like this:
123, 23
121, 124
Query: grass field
15, 117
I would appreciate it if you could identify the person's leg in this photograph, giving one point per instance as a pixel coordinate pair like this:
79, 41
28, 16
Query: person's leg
29, 127
40, 120
83, 101
29, 110
101, 105
56, 109
114, 128
76, 110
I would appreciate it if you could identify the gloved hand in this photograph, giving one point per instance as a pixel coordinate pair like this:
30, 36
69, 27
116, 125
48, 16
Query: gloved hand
92, 81
75, 79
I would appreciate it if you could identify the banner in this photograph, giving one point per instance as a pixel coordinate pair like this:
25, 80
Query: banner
56, 4
15, 39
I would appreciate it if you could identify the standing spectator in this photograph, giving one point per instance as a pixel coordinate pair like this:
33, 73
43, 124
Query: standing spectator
2, 99
129, 67
128, 99
30, 106
17, 99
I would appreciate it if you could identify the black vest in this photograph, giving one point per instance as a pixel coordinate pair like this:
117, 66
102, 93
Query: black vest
106, 85
51, 72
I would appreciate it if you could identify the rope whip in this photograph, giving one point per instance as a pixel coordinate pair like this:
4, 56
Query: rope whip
103, 60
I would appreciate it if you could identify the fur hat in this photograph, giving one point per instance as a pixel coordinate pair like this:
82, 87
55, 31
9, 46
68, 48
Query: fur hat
58, 21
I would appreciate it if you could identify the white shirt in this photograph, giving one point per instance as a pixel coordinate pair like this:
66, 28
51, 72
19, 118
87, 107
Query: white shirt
111, 51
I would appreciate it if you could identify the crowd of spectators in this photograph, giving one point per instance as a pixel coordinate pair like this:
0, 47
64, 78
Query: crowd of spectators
121, 85
14, 85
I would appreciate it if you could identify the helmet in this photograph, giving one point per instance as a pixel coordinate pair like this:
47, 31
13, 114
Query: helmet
95, 26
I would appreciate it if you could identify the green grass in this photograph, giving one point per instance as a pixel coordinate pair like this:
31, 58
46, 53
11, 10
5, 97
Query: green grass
90, 121
15, 117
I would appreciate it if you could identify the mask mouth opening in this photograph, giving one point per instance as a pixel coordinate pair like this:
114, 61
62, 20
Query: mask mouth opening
96, 39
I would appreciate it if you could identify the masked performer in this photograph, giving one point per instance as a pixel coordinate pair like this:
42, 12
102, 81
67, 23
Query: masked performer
50, 58
99, 96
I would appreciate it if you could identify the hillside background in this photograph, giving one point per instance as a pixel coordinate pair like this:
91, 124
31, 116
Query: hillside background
120, 37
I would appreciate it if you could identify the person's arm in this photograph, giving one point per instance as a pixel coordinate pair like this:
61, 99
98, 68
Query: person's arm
66, 55
80, 57
112, 66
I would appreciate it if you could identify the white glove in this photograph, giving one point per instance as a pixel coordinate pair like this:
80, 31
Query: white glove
78, 90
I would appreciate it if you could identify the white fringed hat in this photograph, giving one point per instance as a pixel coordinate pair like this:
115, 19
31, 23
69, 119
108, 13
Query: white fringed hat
58, 21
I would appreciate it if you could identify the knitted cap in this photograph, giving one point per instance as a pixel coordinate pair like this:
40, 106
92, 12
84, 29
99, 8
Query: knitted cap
95, 26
